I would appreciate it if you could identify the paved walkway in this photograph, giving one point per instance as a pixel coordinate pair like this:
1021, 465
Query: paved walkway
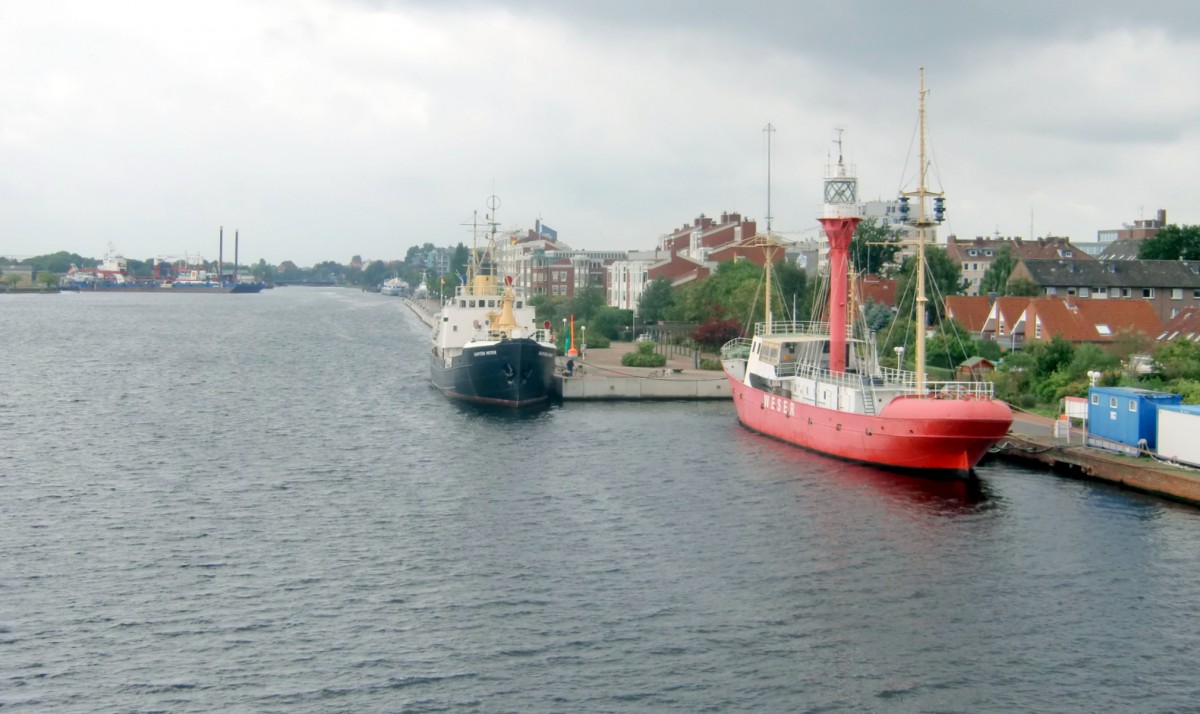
608, 359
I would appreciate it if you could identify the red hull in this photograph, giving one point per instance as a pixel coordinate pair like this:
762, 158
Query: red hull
940, 436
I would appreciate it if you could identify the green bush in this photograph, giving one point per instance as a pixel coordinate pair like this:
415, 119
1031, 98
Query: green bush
596, 340
644, 357
709, 363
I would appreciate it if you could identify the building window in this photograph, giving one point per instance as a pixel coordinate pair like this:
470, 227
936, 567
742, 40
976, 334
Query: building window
1084, 292
1112, 402
1147, 293
1096, 399
1126, 292
988, 252
1051, 291
1132, 405
1101, 292
1070, 291
1176, 293
1196, 294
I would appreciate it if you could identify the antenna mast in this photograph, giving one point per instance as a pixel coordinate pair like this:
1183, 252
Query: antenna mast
769, 130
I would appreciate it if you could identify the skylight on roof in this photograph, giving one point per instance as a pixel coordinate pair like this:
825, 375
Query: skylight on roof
1103, 329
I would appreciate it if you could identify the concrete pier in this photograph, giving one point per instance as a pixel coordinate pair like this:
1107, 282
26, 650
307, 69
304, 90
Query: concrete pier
1077, 461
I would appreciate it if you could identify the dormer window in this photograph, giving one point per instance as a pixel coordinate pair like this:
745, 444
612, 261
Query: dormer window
972, 251
988, 252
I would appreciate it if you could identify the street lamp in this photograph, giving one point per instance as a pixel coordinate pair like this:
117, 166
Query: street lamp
583, 343
564, 332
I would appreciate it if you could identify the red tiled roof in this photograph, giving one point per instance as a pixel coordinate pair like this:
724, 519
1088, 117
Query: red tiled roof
970, 311
1088, 320
1184, 326
1010, 309
877, 290
1040, 249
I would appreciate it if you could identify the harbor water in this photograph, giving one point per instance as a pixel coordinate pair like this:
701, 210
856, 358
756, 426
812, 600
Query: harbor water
216, 503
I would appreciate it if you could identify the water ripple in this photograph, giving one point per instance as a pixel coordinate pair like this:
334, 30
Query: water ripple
224, 504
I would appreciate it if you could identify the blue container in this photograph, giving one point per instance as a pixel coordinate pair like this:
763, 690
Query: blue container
1125, 415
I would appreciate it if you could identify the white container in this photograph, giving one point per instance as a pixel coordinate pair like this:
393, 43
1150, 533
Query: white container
1178, 429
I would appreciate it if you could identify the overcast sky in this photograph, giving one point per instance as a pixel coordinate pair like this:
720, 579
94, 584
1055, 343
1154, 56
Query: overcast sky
324, 128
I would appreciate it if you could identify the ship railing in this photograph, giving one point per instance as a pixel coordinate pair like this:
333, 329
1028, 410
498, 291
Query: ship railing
908, 380
737, 348
903, 380
781, 328
487, 334
468, 291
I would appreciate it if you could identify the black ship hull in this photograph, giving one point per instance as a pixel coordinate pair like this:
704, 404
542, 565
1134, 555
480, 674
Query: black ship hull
514, 373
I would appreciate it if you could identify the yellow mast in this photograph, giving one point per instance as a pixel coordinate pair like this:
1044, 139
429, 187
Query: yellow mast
922, 222
767, 253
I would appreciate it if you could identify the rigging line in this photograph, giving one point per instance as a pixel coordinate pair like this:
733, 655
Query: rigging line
900, 300
939, 295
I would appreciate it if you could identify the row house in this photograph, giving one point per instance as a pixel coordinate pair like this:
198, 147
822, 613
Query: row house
573, 271
975, 256
1086, 321
1014, 322
970, 311
628, 278
1184, 326
683, 255
540, 265
523, 256
705, 234
1169, 286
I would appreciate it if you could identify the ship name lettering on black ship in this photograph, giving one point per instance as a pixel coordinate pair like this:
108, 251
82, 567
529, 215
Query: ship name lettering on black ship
485, 354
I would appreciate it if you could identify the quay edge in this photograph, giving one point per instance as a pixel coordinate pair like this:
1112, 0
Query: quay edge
1081, 462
